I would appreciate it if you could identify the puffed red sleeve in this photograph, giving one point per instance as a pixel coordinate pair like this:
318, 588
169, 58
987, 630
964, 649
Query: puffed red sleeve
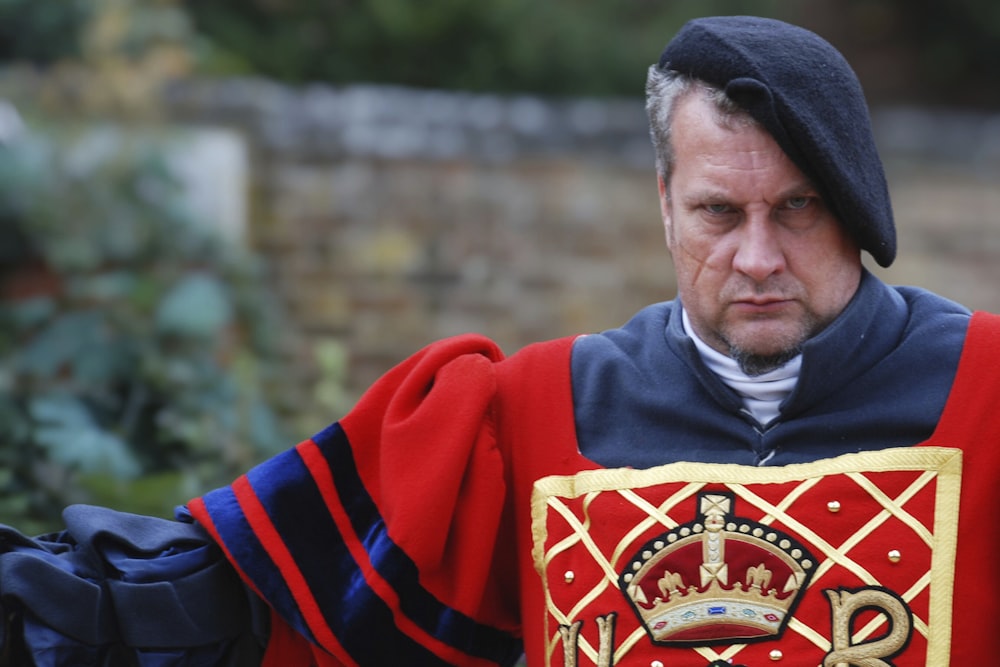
383, 538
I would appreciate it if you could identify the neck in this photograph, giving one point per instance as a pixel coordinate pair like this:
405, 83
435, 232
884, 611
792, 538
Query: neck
762, 394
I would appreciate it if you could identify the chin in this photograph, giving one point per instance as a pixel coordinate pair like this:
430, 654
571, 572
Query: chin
767, 340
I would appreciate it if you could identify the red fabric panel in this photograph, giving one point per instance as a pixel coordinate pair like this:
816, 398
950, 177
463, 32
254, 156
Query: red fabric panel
436, 474
971, 420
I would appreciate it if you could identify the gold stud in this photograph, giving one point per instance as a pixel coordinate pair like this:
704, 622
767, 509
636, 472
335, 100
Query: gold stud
895, 556
833, 506
569, 576
776, 655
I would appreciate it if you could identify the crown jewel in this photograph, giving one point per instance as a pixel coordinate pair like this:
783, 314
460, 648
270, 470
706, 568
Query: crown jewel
718, 578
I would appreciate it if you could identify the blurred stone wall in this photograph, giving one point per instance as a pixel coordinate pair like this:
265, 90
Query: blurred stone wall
395, 217
944, 176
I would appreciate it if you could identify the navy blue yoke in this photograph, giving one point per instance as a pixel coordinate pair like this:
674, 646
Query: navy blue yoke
877, 377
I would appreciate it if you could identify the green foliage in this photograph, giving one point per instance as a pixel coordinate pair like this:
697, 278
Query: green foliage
98, 58
915, 50
41, 32
550, 46
956, 46
137, 350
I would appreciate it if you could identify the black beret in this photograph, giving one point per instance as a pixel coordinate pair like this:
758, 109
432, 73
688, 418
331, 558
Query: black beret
805, 94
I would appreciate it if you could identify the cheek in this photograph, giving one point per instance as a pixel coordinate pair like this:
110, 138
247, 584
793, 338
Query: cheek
831, 279
840, 290
708, 258
701, 279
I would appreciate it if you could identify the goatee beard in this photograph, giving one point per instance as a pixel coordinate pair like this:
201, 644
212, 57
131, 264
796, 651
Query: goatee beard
757, 364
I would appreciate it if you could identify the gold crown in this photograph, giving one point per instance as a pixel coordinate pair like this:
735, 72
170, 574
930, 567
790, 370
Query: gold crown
718, 578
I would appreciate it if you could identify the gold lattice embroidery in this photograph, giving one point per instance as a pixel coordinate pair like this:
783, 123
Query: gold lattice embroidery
600, 519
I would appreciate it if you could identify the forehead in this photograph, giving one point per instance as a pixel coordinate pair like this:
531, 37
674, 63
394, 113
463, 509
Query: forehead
726, 152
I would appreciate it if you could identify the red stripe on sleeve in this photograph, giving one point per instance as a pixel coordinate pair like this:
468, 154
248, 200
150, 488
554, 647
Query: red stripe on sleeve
275, 547
204, 519
320, 471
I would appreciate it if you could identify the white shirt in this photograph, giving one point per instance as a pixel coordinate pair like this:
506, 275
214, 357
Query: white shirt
761, 394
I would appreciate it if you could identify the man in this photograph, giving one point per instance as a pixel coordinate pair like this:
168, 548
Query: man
790, 462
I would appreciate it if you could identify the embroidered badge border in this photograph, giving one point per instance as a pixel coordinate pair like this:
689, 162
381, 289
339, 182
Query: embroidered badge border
942, 465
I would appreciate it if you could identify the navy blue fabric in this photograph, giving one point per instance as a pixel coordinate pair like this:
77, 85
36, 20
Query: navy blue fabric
119, 589
877, 377
244, 545
349, 606
361, 621
805, 94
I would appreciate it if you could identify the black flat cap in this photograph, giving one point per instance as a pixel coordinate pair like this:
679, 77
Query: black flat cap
805, 94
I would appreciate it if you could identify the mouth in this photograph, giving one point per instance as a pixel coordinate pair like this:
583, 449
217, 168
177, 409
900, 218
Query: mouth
761, 305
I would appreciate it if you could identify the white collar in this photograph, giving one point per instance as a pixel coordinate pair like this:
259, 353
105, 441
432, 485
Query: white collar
761, 394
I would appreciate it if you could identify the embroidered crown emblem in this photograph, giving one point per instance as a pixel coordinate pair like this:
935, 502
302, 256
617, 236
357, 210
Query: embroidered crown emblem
718, 578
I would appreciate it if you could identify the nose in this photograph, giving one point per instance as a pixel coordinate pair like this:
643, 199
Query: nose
759, 253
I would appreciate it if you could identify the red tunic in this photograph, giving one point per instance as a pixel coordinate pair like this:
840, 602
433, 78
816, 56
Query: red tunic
451, 511
889, 530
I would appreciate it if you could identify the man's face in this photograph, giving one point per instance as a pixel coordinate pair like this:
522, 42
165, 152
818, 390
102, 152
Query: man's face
762, 265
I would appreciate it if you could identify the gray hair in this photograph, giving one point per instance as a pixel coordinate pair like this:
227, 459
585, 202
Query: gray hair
664, 89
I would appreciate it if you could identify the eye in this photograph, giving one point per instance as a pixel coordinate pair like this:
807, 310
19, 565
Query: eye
718, 209
798, 203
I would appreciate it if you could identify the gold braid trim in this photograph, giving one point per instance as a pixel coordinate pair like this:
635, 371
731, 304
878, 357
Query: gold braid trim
944, 464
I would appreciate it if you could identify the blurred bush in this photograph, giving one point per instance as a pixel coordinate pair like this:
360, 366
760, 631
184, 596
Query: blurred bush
99, 58
139, 353
41, 32
918, 51
554, 47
